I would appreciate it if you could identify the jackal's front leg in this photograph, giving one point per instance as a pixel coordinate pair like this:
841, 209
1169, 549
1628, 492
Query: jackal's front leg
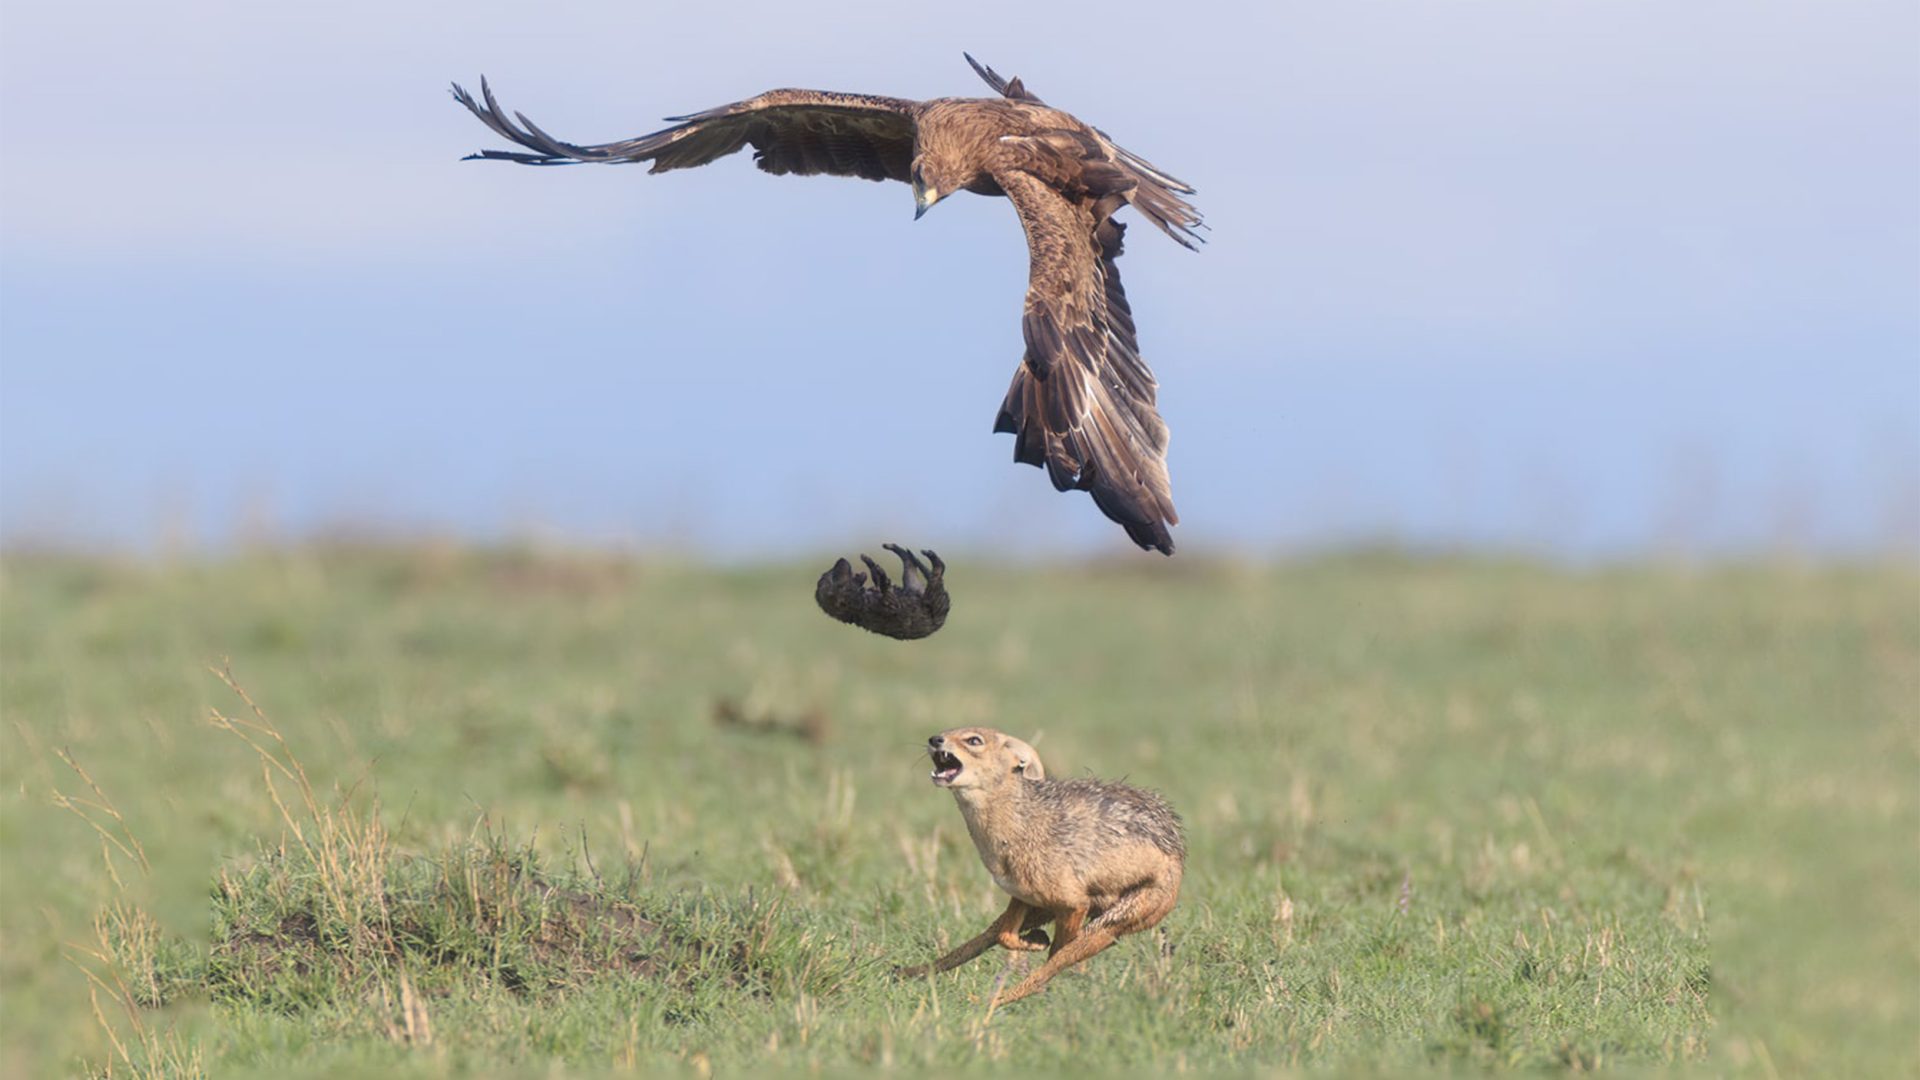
1017, 925
1005, 929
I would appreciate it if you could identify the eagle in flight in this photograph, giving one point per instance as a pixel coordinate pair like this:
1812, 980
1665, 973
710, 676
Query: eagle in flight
1082, 401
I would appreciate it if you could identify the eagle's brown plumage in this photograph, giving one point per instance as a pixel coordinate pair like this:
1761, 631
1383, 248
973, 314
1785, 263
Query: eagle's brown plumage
1082, 402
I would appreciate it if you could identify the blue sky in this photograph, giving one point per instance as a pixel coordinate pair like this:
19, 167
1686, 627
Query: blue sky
1588, 278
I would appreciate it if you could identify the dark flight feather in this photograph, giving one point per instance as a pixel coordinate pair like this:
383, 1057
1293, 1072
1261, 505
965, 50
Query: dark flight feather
1007, 88
1083, 402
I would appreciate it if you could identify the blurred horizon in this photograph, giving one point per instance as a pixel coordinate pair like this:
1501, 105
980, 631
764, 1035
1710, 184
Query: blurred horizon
1585, 282
177, 533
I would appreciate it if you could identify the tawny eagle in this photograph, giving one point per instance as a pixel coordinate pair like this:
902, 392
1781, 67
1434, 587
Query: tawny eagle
1082, 401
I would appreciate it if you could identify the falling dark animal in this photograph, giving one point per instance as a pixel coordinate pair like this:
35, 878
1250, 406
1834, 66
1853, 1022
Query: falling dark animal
1096, 858
912, 609
1082, 401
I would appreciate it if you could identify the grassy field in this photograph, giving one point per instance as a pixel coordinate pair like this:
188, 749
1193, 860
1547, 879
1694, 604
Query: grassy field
590, 814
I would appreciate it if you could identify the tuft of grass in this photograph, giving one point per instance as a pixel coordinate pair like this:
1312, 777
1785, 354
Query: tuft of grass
332, 921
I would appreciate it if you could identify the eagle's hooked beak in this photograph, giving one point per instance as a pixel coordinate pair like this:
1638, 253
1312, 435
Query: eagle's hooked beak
923, 199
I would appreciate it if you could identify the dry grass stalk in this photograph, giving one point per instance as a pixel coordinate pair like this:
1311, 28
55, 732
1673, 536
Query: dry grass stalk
124, 939
146, 1051
348, 851
124, 842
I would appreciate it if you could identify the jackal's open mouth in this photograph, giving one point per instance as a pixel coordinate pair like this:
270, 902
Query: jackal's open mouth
946, 767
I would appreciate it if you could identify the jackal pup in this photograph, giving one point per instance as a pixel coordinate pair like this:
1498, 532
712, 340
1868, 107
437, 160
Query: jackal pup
1098, 859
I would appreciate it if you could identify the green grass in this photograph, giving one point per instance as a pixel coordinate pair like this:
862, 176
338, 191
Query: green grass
1448, 814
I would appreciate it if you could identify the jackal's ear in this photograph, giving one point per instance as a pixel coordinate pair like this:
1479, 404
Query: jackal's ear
1026, 762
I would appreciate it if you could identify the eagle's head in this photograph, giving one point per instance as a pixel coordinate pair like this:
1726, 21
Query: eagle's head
935, 179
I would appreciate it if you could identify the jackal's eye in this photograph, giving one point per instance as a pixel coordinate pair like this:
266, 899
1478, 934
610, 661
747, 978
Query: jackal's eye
976, 741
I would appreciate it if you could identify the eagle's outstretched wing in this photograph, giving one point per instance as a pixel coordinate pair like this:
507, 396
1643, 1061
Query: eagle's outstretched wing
791, 131
1082, 403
